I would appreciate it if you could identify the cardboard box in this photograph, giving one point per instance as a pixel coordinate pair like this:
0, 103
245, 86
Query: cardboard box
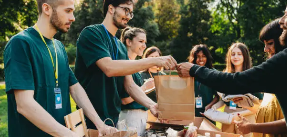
201, 123
95, 133
213, 133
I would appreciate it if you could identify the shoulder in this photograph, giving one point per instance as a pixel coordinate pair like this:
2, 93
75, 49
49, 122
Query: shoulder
92, 29
20, 40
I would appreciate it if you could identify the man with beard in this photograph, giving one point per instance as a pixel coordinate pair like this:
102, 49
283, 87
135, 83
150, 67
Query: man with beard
103, 67
39, 80
270, 76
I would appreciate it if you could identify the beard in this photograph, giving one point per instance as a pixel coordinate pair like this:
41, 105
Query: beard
118, 24
283, 38
56, 23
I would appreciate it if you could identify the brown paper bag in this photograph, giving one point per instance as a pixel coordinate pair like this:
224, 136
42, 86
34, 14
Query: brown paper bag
175, 97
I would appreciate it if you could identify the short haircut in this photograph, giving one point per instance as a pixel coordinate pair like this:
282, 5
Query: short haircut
272, 31
115, 3
52, 3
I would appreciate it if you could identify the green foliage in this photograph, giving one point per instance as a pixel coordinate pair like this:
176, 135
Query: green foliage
88, 13
71, 52
15, 16
3, 112
194, 28
144, 18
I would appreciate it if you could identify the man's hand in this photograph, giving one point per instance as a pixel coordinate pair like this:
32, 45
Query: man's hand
243, 125
154, 110
106, 130
168, 62
183, 69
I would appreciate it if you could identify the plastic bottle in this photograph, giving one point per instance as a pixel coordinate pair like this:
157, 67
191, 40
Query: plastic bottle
217, 135
207, 134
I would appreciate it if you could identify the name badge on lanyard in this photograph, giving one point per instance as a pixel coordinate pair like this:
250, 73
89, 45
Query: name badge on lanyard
232, 105
58, 98
198, 102
57, 91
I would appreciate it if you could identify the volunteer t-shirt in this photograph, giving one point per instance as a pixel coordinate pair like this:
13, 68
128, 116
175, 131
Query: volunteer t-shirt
28, 66
104, 92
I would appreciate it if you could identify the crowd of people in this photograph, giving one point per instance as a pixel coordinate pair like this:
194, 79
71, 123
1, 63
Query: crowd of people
111, 83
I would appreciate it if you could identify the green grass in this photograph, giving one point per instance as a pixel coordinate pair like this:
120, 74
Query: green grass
4, 113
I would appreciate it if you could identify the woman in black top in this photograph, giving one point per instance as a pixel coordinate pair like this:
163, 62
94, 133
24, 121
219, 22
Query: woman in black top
270, 76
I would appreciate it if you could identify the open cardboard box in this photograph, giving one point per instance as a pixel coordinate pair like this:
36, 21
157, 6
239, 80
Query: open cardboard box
95, 133
201, 123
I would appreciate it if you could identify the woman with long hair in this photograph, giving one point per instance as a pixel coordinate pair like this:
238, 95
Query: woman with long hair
153, 71
205, 97
237, 60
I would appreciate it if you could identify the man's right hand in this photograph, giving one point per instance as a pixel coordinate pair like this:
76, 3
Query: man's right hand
168, 62
106, 130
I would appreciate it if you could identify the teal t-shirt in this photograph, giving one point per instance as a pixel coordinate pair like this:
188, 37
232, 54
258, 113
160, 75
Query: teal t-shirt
28, 66
104, 92
207, 94
134, 105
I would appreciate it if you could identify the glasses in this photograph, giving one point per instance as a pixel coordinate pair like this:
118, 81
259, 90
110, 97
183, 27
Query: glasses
127, 11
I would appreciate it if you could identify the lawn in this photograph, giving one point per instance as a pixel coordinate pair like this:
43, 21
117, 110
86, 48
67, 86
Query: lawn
3, 111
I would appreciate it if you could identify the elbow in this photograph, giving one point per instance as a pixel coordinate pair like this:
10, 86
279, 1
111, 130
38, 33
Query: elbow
21, 109
109, 72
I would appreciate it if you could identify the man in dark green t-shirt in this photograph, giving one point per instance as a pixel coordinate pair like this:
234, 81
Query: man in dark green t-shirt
38, 79
103, 67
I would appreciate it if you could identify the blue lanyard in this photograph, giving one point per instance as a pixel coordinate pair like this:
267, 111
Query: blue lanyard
113, 54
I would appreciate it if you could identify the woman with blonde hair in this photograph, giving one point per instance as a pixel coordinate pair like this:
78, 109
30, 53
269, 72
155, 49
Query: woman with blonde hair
237, 60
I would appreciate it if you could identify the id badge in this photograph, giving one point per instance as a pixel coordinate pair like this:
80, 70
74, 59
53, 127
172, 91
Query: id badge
232, 105
58, 98
198, 102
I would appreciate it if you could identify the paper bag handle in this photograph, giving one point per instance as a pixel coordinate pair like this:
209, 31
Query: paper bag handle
110, 120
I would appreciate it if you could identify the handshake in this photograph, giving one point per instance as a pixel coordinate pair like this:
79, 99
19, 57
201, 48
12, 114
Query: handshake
169, 63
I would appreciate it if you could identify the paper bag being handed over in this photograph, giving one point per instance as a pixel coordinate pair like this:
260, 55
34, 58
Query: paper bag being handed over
175, 97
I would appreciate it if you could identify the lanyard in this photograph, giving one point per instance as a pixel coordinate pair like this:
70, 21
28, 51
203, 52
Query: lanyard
198, 85
150, 74
55, 70
113, 54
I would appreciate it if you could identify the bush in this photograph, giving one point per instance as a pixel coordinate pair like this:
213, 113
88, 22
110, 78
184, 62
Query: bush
71, 51
219, 67
72, 68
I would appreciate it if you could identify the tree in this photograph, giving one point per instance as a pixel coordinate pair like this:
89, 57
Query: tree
87, 13
144, 18
244, 21
194, 28
167, 17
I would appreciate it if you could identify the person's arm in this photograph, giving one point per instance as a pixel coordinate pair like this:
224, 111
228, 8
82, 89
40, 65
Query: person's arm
263, 77
147, 85
215, 100
275, 127
138, 95
36, 114
113, 68
80, 97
